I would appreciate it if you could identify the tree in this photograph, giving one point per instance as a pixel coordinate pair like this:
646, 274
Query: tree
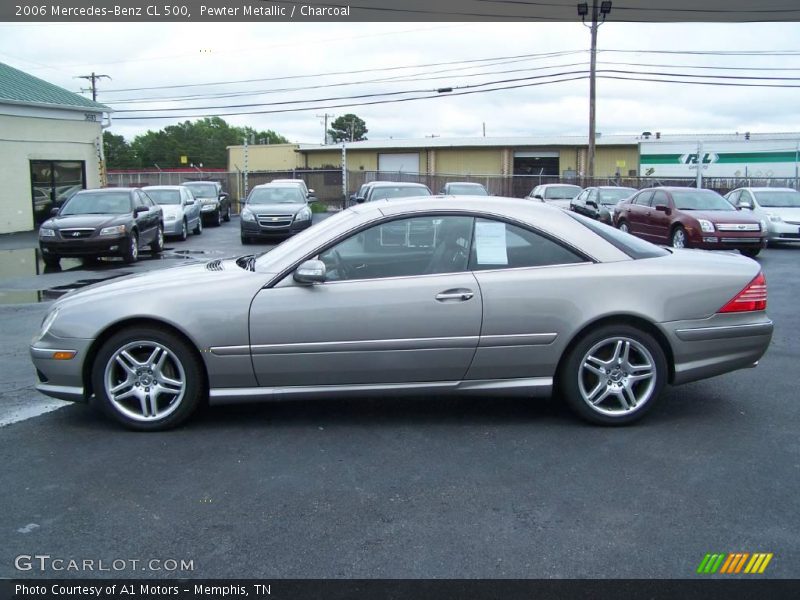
348, 128
119, 154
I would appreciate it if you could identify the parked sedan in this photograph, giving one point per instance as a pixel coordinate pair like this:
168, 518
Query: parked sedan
557, 194
102, 222
274, 209
463, 188
215, 206
181, 211
779, 208
382, 190
598, 202
690, 218
518, 298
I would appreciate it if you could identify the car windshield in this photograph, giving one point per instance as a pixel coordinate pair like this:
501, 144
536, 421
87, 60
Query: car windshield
381, 193
276, 195
700, 200
779, 199
466, 189
610, 197
98, 203
203, 190
164, 196
561, 192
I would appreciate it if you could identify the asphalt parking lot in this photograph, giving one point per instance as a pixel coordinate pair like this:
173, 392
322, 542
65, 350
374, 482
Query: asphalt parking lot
398, 488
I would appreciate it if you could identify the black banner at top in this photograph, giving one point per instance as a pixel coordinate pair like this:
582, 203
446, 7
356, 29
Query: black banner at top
394, 10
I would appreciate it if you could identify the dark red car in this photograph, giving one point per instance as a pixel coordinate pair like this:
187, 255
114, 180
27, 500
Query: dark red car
690, 218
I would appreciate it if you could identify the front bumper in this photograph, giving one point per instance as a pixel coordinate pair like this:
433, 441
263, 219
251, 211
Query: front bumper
173, 227
93, 246
783, 232
722, 343
727, 240
62, 379
254, 230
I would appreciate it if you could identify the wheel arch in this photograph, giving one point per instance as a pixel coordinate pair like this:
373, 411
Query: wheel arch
114, 328
624, 319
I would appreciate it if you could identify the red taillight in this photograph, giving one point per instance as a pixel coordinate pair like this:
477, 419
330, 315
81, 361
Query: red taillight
752, 297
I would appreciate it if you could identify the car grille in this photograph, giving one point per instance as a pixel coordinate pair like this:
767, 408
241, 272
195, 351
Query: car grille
741, 240
76, 233
739, 227
268, 221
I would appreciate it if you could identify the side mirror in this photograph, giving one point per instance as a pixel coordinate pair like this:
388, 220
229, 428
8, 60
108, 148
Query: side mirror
223, 195
310, 272
591, 203
189, 202
312, 199
54, 212
663, 208
139, 210
745, 204
538, 197
360, 199
310, 191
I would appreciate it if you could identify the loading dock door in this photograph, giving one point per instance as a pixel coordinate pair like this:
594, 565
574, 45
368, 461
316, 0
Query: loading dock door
399, 163
536, 163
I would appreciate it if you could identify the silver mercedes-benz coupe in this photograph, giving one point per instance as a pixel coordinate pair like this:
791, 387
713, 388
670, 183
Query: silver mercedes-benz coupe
423, 296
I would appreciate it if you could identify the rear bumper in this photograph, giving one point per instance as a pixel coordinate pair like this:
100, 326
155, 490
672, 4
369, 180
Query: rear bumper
722, 343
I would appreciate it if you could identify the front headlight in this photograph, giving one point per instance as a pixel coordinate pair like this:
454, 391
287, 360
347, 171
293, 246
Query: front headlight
44, 232
706, 226
775, 218
115, 230
247, 215
303, 214
48, 322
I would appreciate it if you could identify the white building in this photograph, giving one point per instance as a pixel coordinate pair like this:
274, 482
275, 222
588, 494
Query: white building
50, 146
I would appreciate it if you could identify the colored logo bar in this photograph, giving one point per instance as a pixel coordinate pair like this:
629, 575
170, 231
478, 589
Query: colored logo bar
735, 562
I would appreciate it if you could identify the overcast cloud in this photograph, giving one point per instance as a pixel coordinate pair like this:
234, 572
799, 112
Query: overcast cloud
160, 54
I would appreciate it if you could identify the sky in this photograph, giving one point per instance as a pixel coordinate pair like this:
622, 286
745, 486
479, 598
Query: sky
306, 55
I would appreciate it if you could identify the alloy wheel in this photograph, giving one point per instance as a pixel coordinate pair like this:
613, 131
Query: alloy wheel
617, 375
678, 238
145, 381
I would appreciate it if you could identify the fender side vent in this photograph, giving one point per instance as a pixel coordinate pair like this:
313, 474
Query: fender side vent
215, 265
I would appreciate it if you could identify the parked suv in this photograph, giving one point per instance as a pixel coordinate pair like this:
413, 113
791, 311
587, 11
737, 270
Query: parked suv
103, 222
779, 208
274, 209
215, 207
690, 218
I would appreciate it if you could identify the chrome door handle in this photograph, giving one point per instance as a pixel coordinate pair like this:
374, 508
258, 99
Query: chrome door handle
460, 295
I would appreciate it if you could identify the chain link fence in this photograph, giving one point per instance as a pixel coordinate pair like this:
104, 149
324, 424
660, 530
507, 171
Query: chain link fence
327, 183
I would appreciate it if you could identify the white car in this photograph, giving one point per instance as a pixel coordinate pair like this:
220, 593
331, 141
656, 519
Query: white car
298, 182
779, 208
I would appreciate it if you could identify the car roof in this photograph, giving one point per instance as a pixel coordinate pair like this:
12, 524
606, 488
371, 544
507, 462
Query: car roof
398, 184
613, 187
463, 183
162, 187
767, 189
552, 184
275, 184
107, 189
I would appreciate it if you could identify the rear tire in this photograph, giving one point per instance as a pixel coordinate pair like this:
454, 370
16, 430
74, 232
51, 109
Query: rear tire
613, 375
147, 379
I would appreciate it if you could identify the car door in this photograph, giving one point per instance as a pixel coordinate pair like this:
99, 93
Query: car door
659, 222
637, 212
590, 203
144, 220
526, 280
191, 207
394, 314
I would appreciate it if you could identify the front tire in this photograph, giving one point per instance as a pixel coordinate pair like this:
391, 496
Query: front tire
678, 237
613, 375
199, 227
216, 218
623, 227
131, 253
750, 252
184, 231
147, 379
245, 240
52, 261
227, 214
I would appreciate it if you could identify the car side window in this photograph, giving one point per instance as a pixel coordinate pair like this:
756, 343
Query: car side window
644, 199
499, 245
659, 197
402, 248
746, 197
733, 197
592, 196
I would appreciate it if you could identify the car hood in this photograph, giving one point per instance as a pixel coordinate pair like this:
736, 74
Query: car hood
277, 208
791, 214
721, 216
69, 221
207, 199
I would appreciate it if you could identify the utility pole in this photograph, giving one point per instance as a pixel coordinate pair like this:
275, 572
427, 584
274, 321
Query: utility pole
93, 78
325, 131
699, 181
600, 12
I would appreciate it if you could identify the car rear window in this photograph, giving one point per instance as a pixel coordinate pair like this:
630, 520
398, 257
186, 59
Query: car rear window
631, 245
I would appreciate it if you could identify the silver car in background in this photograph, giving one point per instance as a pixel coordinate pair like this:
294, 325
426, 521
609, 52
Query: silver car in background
500, 298
181, 210
778, 208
